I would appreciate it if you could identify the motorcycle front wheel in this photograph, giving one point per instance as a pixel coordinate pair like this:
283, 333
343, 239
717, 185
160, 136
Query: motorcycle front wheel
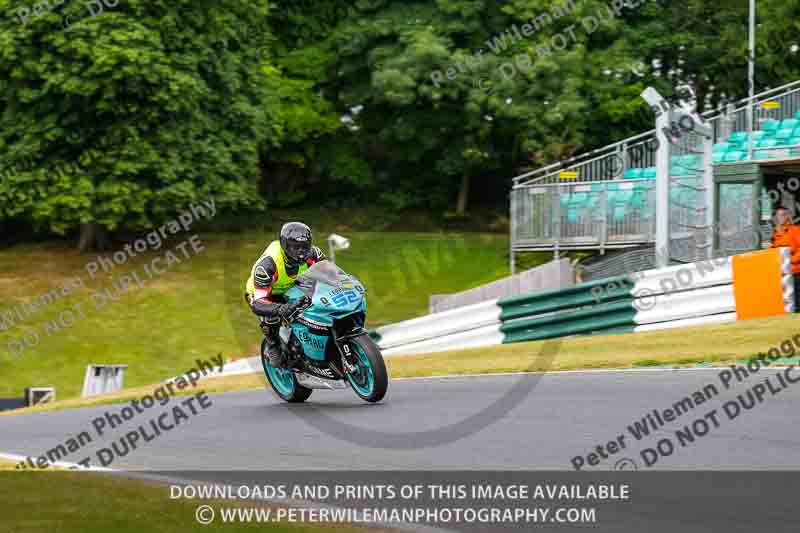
370, 380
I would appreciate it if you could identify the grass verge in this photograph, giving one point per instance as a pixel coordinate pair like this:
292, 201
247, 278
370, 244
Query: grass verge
715, 344
82, 502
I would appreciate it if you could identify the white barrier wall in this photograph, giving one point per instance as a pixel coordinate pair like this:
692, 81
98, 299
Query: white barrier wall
474, 338
684, 305
439, 325
691, 277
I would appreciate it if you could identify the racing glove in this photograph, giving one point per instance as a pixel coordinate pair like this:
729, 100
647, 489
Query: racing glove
285, 311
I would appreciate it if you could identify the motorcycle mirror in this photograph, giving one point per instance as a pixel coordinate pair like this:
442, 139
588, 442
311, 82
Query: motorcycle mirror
341, 243
336, 242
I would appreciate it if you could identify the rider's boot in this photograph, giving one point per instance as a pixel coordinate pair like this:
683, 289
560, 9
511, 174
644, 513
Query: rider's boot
274, 352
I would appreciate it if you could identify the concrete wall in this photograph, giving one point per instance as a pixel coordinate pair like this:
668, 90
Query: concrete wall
552, 275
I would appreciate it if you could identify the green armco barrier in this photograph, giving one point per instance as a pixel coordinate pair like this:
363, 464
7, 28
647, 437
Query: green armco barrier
610, 289
616, 315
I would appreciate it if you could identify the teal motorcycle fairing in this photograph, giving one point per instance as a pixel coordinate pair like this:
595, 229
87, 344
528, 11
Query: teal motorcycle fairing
334, 295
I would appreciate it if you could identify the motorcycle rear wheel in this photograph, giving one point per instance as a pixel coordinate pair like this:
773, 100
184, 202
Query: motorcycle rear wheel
283, 381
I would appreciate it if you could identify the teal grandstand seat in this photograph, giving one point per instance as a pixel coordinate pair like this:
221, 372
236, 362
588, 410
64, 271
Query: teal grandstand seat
738, 137
783, 135
790, 123
732, 157
764, 154
794, 141
692, 159
771, 125
679, 170
649, 172
721, 148
623, 196
573, 216
717, 158
766, 143
638, 199
634, 173
578, 199
686, 165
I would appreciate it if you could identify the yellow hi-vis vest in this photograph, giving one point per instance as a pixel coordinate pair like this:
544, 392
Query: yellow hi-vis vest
284, 281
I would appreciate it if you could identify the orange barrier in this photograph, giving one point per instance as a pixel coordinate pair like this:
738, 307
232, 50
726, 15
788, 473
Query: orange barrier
758, 283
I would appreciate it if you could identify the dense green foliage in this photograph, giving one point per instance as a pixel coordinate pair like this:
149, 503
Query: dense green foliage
118, 117
122, 118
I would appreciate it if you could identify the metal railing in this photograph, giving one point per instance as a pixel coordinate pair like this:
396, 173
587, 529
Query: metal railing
638, 151
602, 164
584, 215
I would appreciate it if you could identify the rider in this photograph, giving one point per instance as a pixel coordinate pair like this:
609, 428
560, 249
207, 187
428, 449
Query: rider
275, 273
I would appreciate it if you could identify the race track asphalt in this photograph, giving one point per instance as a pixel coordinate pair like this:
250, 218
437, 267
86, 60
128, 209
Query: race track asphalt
558, 416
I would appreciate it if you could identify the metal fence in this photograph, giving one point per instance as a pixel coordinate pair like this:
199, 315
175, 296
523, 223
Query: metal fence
689, 230
598, 165
587, 215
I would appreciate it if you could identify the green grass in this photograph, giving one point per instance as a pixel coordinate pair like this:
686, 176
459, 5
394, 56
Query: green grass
80, 502
196, 310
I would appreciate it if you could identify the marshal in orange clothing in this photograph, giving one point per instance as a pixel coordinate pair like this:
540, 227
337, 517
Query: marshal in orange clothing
787, 234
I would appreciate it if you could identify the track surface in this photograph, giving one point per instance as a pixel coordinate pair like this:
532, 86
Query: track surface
565, 415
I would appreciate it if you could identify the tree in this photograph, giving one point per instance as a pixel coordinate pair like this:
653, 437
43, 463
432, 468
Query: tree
124, 115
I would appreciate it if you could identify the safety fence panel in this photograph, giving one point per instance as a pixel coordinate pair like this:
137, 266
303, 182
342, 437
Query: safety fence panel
751, 285
604, 213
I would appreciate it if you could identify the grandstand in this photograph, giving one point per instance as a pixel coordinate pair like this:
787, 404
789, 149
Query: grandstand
717, 199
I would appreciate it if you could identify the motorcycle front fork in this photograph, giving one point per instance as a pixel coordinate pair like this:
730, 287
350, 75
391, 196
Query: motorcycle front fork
349, 361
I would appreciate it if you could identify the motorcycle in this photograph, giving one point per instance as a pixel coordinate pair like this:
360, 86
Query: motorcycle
326, 344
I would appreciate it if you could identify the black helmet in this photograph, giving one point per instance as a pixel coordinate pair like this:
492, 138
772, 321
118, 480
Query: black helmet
296, 241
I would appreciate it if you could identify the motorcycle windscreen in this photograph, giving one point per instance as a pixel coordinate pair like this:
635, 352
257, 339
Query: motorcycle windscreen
326, 272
